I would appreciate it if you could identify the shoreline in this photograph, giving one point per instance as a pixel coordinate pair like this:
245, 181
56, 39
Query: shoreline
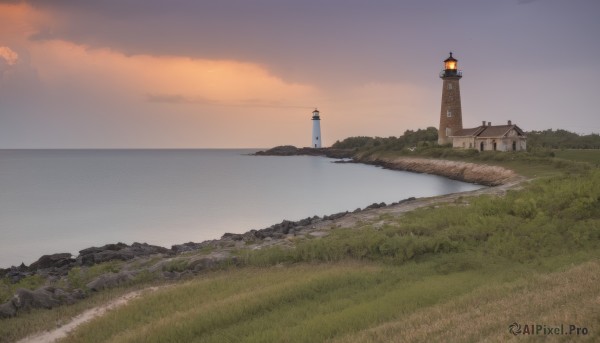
482, 174
210, 254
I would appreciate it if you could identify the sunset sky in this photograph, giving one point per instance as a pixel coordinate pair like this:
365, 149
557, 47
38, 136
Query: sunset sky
248, 73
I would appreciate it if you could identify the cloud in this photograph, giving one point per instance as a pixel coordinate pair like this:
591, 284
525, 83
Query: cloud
8, 55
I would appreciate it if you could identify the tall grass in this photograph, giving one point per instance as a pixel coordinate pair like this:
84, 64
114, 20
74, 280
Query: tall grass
296, 304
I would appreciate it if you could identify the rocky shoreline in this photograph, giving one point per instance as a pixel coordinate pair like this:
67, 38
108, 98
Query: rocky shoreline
456, 170
141, 260
138, 258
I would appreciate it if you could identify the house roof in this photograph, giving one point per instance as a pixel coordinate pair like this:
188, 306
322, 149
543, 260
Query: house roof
468, 132
488, 131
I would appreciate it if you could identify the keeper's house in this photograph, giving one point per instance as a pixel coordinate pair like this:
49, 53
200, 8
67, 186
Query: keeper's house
487, 137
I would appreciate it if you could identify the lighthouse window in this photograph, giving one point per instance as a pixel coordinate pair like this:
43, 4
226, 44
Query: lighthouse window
448, 131
317, 138
449, 113
449, 86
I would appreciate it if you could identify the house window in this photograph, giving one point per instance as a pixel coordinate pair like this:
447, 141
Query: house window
449, 86
448, 132
449, 113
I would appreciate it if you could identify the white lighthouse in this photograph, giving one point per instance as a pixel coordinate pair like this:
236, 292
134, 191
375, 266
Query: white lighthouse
316, 132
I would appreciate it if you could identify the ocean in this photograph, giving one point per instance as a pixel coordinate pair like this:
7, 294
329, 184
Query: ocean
66, 200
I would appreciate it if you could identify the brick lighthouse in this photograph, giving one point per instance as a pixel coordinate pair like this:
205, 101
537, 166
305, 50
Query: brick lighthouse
316, 131
451, 112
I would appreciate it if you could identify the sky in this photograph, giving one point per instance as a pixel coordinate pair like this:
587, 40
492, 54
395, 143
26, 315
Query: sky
248, 73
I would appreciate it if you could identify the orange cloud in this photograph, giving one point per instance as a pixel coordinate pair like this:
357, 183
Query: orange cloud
8, 55
20, 21
174, 77
220, 82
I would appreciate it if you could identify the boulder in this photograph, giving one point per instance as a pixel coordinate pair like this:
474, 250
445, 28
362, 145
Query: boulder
375, 205
232, 236
110, 280
119, 251
191, 246
16, 274
44, 297
8, 310
52, 261
94, 250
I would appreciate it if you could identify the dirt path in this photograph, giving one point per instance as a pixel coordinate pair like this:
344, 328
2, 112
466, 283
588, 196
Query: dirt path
61, 332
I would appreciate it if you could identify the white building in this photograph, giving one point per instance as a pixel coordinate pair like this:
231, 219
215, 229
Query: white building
487, 137
316, 131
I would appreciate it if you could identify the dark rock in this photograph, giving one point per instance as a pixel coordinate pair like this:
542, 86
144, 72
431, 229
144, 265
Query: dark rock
191, 246
8, 310
94, 250
335, 216
52, 261
16, 274
44, 297
232, 236
119, 251
145, 249
375, 205
290, 150
110, 280
284, 150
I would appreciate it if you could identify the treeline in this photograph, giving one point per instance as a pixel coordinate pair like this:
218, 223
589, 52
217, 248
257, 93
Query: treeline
562, 139
410, 138
427, 138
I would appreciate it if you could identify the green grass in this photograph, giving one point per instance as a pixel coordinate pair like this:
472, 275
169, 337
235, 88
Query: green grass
582, 155
538, 163
38, 320
301, 303
7, 288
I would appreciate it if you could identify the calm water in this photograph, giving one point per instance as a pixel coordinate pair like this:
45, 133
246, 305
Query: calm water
66, 200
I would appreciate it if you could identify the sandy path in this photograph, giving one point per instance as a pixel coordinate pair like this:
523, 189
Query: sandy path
61, 332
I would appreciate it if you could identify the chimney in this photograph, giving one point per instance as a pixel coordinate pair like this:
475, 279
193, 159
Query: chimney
489, 123
509, 122
483, 123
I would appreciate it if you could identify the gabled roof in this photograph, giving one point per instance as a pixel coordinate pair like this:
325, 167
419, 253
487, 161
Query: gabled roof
469, 132
494, 131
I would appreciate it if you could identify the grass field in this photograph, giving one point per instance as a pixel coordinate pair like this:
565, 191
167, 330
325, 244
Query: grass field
460, 272
583, 155
352, 302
